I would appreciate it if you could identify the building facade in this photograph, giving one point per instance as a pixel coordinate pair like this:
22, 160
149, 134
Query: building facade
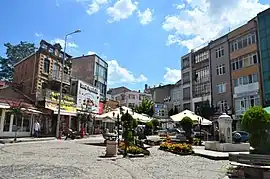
176, 96
221, 75
201, 79
245, 68
186, 81
263, 20
93, 70
40, 76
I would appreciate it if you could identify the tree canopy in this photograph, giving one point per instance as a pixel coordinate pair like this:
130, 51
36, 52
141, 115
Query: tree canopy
146, 107
205, 110
256, 121
14, 53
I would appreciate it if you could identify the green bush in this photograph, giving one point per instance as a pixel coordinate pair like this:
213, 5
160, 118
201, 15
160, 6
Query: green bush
187, 124
256, 121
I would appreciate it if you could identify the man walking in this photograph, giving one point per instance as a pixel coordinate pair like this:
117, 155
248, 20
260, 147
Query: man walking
36, 128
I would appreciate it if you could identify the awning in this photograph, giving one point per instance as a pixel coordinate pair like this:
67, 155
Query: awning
31, 110
65, 113
4, 106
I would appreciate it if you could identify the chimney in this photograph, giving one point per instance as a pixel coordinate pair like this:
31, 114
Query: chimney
145, 86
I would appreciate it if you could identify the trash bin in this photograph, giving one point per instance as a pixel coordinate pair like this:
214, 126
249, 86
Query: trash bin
111, 148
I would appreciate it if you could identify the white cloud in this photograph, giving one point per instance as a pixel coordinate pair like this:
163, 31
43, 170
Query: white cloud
119, 75
95, 6
62, 43
205, 20
180, 6
91, 53
38, 34
122, 9
172, 75
145, 17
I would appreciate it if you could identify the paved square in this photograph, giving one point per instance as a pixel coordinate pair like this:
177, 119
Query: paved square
72, 159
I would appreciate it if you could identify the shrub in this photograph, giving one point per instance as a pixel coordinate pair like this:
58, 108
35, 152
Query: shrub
176, 148
256, 121
196, 141
164, 146
187, 124
132, 149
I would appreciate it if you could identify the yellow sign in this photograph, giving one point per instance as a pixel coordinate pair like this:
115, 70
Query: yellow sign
67, 103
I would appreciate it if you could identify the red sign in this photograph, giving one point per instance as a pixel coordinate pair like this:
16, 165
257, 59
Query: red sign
101, 106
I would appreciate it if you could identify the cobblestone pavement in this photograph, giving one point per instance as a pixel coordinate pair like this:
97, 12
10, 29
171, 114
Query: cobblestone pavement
71, 160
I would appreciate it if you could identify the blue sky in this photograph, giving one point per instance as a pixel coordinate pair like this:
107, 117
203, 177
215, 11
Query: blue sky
142, 40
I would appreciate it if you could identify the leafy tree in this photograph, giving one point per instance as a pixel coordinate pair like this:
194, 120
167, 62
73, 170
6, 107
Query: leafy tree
205, 110
14, 54
256, 121
6, 69
175, 110
187, 124
155, 123
146, 107
171, 112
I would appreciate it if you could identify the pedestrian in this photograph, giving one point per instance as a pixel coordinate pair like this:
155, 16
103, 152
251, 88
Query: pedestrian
36, 128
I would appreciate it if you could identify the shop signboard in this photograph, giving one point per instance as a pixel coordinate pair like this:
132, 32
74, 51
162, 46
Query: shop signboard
67, 102
88, 97
101, 107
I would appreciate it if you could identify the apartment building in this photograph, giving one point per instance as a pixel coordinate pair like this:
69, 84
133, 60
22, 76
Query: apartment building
176, 96
186, 82
245, 68
201, 79
127, 97
93, 70
263, 22
40, 75
221, 75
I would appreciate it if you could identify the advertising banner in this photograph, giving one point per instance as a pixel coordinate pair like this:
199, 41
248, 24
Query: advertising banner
88, 97
67, 103
101, 107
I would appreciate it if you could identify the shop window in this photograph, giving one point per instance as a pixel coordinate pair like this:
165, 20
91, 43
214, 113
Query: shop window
7, 121
26, 123
17, 123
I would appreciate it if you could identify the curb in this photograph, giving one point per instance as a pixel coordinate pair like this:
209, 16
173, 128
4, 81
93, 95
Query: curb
212, 157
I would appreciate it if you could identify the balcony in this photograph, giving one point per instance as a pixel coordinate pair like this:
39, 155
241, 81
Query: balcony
56, 76
244, 90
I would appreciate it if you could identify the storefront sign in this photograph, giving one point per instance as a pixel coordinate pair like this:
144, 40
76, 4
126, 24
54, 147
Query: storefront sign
101, 107
87, 97
67, 103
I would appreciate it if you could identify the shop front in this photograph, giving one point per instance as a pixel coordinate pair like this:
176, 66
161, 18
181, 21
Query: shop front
67, 111
19, 124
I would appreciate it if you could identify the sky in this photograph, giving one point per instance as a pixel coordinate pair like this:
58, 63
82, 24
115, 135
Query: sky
141, 40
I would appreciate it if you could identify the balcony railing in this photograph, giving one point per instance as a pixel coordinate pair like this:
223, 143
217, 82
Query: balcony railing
56, 76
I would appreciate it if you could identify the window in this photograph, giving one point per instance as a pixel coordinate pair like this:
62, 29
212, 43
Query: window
51, 50
221, 88
56, 69
243, 42
7, 122
222, 105
185, 62
44, 46
219, 52
201, 57
244, 80
186, 77
244, 61
46, 67
220, 69
186, 93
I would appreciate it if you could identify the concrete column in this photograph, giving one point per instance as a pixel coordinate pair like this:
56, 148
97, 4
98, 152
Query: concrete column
11, 122
69, 121
21, 129
2, 119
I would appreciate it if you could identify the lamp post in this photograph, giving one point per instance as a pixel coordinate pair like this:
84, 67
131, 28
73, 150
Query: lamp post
118, 121
61, 83
200, 123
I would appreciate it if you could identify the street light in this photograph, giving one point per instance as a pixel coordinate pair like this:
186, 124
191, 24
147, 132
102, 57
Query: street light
61, 83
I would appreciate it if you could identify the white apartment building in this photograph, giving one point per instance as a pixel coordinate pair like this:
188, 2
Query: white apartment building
176, 96
131, 99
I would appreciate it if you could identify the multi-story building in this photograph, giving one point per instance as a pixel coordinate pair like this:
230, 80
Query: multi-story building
221, 75
263, 20
201, 79
40, 76
130, 98
186, 81
176, 96
93, 70
245, 68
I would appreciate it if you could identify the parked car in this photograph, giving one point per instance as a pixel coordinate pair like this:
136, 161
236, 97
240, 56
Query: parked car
244, 135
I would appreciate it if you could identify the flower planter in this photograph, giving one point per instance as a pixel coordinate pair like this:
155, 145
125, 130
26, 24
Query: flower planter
176, 152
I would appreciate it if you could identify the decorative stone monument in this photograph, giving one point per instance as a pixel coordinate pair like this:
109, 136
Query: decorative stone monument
225, 138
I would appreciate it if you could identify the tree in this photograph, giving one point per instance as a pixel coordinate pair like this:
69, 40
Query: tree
6, 69
256, 121
171, 112
155, 123
187, 124
175, 110
146, 107
205, 110
14, 54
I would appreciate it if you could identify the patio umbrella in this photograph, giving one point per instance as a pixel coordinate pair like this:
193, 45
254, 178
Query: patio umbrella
195, 118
